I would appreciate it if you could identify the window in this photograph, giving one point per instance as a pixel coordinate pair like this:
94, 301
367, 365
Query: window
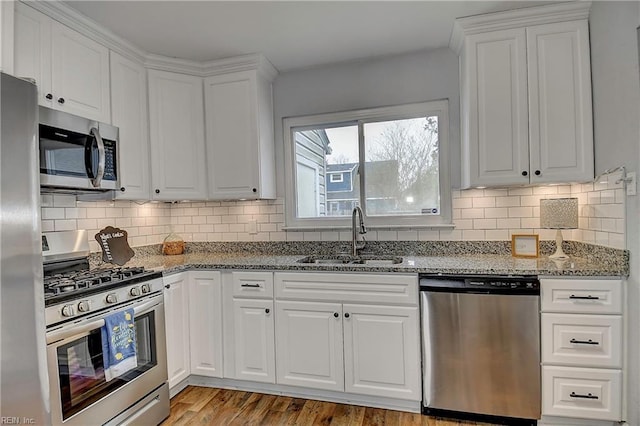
390, 161
336, 177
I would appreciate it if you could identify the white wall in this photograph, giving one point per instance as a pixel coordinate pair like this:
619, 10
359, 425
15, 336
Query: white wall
392, 80
616, 109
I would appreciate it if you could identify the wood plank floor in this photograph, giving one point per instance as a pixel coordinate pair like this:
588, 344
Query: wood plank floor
211, 406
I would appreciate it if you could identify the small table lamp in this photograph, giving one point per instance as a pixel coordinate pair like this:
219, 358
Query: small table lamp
559, 213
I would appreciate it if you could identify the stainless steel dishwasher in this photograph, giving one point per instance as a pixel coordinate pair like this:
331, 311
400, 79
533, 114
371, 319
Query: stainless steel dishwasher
481, 347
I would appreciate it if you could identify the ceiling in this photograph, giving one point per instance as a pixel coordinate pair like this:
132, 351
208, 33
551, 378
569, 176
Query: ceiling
291, 34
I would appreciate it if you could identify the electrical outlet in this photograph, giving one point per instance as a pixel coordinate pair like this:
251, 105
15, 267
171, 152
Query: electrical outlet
252, 226
631, 184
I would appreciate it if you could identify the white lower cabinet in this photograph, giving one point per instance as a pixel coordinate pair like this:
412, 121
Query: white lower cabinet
193, 319
582, 392
176, 307
205, 323
582, 348
382, 336
348, 341
254, 348
309, 344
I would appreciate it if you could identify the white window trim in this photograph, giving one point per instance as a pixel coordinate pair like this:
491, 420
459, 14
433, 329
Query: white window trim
336, 175
438, 107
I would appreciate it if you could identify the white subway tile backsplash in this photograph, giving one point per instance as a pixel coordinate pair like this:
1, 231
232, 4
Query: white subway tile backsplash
484, 224
520, 212
478, 214
51, 213
484, 202
64, 225
472, 213
511, 201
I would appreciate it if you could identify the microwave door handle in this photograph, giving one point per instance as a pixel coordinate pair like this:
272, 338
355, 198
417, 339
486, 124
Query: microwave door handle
95, 181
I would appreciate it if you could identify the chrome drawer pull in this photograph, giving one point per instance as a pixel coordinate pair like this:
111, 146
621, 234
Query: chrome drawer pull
250, 285
589, 297
587, 396
584, 342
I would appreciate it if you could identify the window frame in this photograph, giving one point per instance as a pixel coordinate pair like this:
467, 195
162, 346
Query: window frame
359, 118
333, 174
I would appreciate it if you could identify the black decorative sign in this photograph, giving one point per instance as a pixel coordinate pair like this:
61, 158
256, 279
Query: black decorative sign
114, 245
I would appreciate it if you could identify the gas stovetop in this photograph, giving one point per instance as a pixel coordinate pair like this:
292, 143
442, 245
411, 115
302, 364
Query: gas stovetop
60, 287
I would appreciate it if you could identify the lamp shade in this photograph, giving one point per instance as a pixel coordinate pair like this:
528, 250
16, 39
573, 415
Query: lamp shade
559, 213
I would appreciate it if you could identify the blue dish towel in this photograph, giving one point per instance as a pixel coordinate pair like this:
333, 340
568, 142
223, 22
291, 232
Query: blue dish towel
119, 344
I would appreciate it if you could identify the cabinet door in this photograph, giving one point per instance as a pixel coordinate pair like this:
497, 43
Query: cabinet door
254, 340
79, 74
309, 345
205, 323
381, 351
176, 123
129, 100
494, 109
32, 54
561, 129
176, 306
232, 136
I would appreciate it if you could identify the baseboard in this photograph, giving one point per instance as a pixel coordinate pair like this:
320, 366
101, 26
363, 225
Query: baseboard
563, 421
178, 388
300, 392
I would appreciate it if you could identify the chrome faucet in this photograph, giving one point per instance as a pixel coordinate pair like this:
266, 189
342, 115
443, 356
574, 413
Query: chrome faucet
355, 244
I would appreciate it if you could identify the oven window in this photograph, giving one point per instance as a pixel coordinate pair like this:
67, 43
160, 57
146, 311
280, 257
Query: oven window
81, 369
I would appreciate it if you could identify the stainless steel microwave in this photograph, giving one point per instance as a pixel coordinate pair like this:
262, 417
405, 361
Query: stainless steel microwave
77, 153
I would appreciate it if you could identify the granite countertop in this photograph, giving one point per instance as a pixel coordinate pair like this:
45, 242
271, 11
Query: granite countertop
467, 264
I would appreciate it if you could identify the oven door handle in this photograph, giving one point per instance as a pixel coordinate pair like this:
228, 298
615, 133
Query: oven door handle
75, 329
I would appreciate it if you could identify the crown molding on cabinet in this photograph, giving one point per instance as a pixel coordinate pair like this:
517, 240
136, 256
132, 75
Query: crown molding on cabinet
68, 16
517, 18
58, 10
253, 61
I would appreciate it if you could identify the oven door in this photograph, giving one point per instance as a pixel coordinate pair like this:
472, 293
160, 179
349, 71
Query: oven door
80, 395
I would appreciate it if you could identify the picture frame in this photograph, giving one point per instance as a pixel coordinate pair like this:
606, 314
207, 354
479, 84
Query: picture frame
525, 245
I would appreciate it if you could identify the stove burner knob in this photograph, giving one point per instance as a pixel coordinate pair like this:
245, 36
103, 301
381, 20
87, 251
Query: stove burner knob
68, 311
145, 288
83, 306
135, 291
112, 298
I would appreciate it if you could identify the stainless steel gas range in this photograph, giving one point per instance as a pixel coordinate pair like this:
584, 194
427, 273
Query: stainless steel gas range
77, 301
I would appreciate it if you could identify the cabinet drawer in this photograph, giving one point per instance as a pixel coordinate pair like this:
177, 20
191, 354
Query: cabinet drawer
336, 287
598, 296
582, 392
582, 340
253, 284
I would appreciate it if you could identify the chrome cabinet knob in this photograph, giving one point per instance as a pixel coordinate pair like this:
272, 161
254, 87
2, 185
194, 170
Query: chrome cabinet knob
83, 306
68, 311
112, 298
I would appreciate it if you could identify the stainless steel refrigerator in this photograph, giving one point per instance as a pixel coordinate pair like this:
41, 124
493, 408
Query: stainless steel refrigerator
24, 385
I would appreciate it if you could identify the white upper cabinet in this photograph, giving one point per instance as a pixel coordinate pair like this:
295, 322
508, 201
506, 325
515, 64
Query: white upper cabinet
561, 129
129, 113
176, 127
32, 50
239, 120
525, 96
71, 70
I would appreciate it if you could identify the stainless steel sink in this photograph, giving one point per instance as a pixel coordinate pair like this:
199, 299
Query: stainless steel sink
348, 259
